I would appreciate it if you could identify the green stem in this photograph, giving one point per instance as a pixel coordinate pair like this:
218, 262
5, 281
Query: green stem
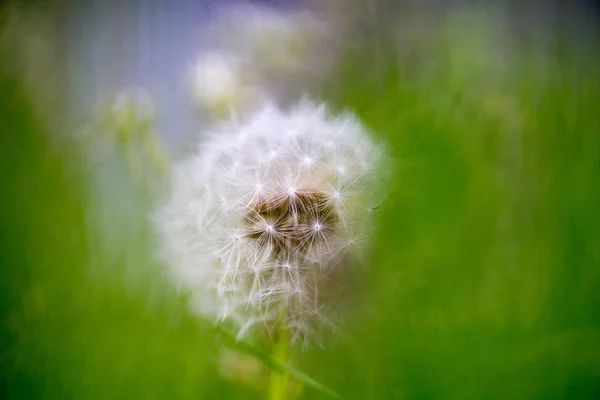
278, 381
277, 366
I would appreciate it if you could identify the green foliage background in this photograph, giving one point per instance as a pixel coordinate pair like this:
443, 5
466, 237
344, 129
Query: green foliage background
483, 282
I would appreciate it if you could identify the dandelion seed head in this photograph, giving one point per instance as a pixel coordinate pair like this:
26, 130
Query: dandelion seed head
267, 240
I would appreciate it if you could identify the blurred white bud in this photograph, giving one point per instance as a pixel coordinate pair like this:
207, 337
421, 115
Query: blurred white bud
264, 224
133, 103
218, 84
254, 53
125, 124
216, 80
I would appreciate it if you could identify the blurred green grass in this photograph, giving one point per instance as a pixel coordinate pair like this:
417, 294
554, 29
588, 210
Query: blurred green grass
483, 282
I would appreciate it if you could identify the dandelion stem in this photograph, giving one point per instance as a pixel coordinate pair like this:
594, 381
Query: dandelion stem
277, 366
278, 381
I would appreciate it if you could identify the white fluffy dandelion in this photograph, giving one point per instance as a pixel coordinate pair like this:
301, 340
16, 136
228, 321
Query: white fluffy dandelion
264, 223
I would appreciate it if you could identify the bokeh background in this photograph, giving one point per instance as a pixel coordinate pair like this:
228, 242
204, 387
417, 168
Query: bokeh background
485, 273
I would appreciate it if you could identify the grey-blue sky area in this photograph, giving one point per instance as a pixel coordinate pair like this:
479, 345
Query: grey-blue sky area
139, 43
115, 45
